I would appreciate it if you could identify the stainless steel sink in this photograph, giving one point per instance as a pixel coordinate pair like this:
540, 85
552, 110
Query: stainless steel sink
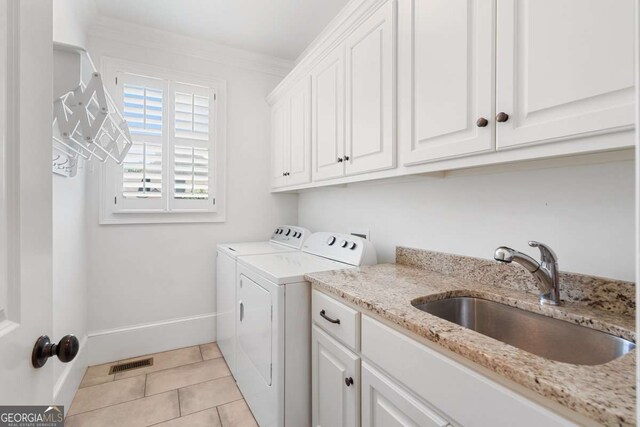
541, 335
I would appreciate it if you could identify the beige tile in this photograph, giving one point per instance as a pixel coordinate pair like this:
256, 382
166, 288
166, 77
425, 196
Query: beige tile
96, 375
99, 396
208, 394
207, 418
183, 376
210, 351
141, 412
236, 414
164, 360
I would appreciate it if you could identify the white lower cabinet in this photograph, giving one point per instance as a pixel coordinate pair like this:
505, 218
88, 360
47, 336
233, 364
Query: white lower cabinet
386, 404
399, 381
335, 382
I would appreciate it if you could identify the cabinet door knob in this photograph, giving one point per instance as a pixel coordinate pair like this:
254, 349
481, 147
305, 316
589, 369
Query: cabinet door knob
482, 122
502, 117
284, 174
346, 158
348, 381
340, 159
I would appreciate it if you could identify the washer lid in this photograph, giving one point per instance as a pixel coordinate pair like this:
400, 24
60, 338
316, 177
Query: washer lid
283, 268
252, 248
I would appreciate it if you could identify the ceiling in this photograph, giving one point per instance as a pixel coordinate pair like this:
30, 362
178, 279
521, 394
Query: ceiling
281, 28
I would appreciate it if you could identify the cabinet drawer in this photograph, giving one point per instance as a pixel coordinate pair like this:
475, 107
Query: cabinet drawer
470, 398
340, 321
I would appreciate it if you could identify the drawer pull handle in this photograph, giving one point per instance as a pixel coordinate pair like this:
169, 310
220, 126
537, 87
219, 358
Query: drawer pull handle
348, 381
324, 315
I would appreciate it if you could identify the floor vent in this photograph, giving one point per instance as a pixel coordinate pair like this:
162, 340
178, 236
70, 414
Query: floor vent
128, 366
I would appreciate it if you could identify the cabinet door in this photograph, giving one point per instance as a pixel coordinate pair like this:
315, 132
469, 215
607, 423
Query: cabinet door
370, 93
335, 382
327, 100
386, 404
279, 142
565, 69
448, 54
298, 156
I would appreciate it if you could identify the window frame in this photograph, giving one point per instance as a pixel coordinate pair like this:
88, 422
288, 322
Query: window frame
170, 211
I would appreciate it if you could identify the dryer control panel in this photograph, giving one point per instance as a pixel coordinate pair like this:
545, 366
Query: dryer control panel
340, 247
290, 235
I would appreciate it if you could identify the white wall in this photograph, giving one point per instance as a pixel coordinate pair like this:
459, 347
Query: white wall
586, 213
70, 19
152, 287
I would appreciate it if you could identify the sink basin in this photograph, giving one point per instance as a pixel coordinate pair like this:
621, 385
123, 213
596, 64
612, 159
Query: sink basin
541, 335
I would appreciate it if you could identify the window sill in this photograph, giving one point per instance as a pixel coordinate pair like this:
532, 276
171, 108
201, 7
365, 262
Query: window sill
161, 218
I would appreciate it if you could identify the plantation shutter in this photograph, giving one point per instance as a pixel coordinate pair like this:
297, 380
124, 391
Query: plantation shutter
144, 101
191, 142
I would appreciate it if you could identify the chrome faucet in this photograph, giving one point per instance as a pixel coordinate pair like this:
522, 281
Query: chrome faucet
546, 272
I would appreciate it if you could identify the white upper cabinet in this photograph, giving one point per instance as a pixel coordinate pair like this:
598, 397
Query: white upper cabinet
448, 68
291, 137
328, 116
402, 87
299, 152
370, 93
279, 142
564, 69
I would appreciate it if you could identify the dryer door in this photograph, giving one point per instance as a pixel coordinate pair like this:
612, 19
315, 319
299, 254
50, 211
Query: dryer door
254, 334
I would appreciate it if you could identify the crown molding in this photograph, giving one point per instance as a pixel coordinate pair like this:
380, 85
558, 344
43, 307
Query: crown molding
153, 38
349, 18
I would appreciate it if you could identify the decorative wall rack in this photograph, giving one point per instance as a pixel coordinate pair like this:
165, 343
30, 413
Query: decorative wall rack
86, 122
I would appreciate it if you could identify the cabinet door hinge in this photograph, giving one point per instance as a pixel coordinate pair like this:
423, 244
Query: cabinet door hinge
115, 200
116, 81
214, 200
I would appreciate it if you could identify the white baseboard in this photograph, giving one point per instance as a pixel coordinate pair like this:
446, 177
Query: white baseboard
137, 340
67, 384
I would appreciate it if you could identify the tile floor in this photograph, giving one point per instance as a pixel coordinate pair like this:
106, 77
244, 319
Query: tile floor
186, 387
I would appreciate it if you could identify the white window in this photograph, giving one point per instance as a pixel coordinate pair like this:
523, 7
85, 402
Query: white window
174, 172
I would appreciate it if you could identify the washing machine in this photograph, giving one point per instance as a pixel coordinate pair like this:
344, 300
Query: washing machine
286, 238
273, 368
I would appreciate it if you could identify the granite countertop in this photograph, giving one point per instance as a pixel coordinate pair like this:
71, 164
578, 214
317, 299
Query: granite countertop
605, 393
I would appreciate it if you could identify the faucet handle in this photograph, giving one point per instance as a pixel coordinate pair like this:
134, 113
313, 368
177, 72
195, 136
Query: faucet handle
547, 255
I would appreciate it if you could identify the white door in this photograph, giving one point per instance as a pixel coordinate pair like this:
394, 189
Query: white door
565, 68
448, 53
254, 331
386, 404
25, 199
279, 142
335, 373
327, 121
298, 156
226, 308
370, 93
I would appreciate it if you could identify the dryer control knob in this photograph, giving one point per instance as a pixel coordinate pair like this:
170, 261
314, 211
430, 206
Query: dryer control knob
288, 232
331, 240
352, 245
344, 243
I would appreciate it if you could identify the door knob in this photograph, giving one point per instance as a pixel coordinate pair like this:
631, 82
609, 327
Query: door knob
340, 159
482, 122
66, 350
348, 381
502, 117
